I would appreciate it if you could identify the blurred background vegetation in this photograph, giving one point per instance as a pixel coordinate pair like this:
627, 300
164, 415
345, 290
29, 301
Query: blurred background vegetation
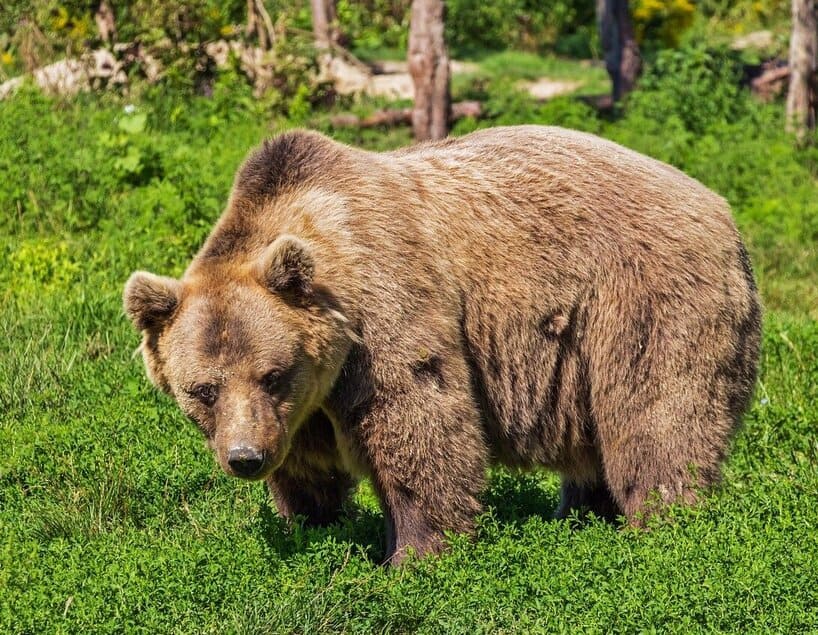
34, 32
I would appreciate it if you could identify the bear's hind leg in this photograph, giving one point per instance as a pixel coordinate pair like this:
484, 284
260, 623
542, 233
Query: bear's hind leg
647, 472
665, 440
668, 392
586, 498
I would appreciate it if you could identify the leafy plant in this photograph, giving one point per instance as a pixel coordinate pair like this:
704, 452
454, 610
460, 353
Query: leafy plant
662, 22
134, 158
696, 86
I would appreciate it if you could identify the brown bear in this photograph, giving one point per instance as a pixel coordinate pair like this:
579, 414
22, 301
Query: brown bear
530, 296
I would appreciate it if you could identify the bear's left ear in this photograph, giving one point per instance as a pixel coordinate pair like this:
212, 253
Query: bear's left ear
287, 266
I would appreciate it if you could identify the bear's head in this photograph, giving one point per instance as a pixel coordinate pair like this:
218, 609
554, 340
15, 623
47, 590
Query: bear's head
248, 349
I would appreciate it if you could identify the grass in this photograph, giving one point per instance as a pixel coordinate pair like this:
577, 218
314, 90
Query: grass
115, 518
522, 65
508, 71
512, 67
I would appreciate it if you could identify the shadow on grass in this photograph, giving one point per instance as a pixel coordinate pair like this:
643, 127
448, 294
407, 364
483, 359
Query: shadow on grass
359, 526
515, 497
511, 498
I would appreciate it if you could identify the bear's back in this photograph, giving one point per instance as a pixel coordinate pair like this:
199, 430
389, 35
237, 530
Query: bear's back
580, 171
538, 199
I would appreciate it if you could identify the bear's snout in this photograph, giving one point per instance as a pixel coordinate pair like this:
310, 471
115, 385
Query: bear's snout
246, 461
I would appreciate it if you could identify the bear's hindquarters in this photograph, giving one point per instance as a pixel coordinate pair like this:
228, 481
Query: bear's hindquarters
669, 384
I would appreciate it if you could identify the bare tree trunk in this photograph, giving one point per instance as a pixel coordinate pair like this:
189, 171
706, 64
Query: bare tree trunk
429, 67
321, 24
622, 59
325, 24
104, 17
335, 34
801, 98
250, 29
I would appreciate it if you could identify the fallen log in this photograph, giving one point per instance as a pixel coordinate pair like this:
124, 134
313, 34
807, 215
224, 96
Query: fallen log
402, 116
771, 83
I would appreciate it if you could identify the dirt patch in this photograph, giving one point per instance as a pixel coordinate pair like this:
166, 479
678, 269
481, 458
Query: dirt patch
546, 88
391, 79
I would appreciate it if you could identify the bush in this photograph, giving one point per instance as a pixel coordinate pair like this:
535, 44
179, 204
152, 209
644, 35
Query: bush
375, 24
661, 23
695, 86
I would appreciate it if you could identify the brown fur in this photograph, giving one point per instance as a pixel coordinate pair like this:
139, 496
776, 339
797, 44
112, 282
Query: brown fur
532, 296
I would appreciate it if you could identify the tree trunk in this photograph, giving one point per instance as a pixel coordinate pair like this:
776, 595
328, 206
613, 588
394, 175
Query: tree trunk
320, 24
104, 17
801, 100
622, 59
259, 24
336, 37
325, 24
429, 67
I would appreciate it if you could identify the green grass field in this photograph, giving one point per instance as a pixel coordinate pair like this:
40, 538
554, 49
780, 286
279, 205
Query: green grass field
115, 518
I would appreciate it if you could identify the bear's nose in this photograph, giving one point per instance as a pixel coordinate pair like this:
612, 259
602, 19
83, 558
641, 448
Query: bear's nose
245, 461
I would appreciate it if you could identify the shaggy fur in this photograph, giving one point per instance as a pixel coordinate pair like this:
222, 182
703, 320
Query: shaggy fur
530, 296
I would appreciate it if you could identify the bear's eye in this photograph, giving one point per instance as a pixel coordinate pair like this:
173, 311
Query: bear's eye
206, 393
273, 381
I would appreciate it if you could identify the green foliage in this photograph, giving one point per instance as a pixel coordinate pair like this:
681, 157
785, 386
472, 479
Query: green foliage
174, 33
115, 518
190, 21
526, 24
375, 24
33, 32
134, 158
40, 265
566, 26
661, 22
695, 87
745, 16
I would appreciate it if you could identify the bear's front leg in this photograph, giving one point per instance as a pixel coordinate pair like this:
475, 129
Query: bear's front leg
427, 459
311, 483
318, 498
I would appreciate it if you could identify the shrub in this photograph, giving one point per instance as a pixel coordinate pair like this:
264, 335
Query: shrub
695, 86
661, 22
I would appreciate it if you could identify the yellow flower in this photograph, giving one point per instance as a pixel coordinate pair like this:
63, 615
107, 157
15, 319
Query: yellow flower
79, 30
6, 58
664, 19
60, 20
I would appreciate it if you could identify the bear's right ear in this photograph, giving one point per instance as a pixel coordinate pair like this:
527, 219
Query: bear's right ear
150, 300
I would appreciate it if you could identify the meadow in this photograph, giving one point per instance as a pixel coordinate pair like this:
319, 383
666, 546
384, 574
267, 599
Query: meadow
115, 518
